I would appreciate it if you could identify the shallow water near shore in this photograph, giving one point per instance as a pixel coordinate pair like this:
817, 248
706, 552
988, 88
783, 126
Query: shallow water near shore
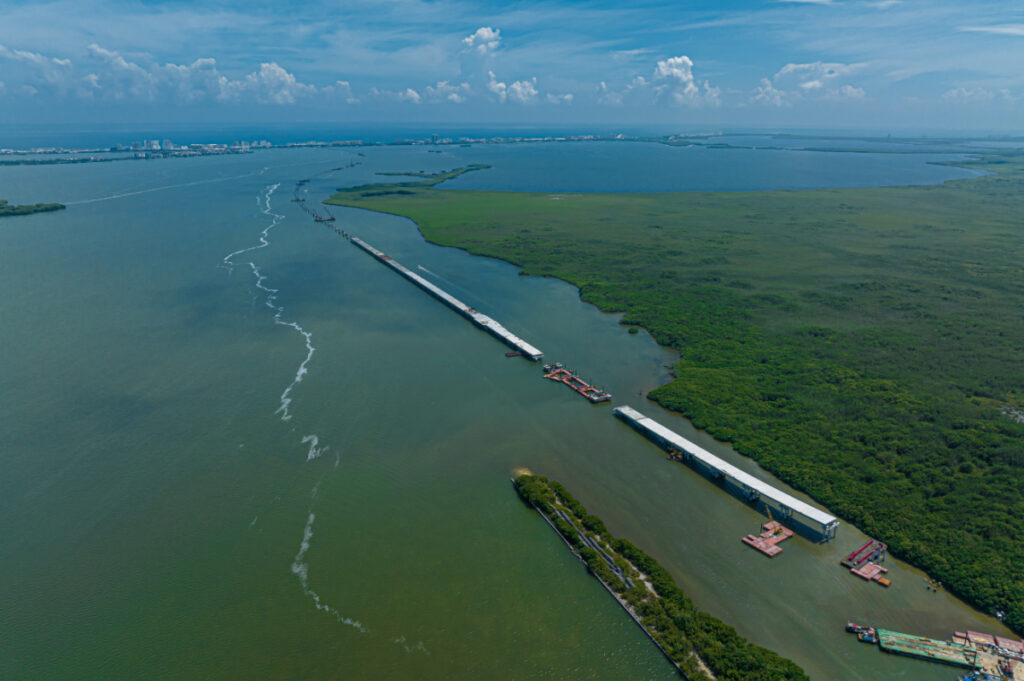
165, 517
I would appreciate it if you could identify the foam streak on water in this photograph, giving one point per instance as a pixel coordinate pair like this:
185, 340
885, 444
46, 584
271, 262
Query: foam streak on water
271, 302
300, 568
314, 450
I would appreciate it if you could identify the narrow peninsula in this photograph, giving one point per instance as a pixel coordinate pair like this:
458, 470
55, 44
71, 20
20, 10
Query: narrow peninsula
700, 646
7, 210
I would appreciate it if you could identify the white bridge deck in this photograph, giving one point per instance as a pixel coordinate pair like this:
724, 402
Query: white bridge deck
753, 488
491, 326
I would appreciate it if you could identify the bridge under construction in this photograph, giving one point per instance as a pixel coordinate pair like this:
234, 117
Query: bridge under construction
785, 505
491, 326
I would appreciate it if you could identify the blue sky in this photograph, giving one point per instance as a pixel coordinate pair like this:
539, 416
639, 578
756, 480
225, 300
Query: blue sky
870, 64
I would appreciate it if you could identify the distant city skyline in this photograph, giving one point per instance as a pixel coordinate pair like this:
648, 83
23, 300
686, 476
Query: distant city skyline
904, 64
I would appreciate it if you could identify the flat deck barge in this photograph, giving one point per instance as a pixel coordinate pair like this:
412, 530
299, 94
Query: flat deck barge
772, 534
558, 372
946, 652
481, 320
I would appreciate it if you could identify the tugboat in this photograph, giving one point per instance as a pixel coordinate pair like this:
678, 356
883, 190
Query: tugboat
329, 218
864, 634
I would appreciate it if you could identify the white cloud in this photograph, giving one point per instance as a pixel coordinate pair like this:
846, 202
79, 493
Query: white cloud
499, 89
976, 95
53, 72
996, 29
818, 70
485, 40
766, 93
409, 95
120, 79
274, 85
674, 78
845, 92
564, 98
818, 79
672, 82
341, 88
445, 91
521, 91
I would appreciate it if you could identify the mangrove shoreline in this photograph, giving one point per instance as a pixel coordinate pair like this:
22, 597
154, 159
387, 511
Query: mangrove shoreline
875, 375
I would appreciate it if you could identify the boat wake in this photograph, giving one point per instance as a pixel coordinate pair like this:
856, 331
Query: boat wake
123, 195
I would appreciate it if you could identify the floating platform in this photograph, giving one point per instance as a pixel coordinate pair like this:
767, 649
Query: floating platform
946, 652
752, 488
558, 372
772, 534
872, 572
481, 320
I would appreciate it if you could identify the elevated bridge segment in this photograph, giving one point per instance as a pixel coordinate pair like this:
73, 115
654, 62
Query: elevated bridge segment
752, 488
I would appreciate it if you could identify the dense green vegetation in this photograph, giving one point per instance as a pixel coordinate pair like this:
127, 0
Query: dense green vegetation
864, 345
7, 209
55, 161
667, 614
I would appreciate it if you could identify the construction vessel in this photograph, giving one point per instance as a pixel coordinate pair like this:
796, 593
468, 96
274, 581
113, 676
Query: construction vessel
987, 656
772, 534
558, 372
864, 562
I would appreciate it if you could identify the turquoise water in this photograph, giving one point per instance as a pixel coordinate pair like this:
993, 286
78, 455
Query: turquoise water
179, 504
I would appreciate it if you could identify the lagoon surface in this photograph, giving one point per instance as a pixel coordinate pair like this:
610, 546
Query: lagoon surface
234, 446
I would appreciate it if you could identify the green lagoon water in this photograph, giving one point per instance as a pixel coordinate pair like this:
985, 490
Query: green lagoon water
289, 463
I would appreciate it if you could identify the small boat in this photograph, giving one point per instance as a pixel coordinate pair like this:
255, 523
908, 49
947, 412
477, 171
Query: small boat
514, 353
864, 634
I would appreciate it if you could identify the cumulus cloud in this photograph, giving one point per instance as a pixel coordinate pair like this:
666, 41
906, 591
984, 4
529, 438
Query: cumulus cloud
342, 89
445, 91
794, 82
409, 95
49, 71
766, 93
564, 98
109, 75
521, 91
672, 81
485, 40
270, 85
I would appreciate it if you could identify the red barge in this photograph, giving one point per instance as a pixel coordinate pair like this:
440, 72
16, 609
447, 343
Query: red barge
558, 372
